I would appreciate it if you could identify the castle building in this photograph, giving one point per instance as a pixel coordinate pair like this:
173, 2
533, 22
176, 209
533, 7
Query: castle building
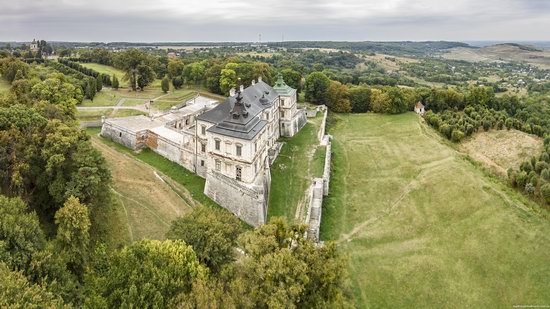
34, 46
230, 144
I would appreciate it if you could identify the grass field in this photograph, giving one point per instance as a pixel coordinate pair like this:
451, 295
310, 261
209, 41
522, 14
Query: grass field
301, 159
105, 69
424, 227
94, 115
502, 149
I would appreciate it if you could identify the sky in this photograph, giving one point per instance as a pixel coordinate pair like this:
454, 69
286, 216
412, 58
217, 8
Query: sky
293, 20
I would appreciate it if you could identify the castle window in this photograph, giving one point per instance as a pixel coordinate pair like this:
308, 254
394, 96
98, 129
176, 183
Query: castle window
238, 150
255, 147
217, 144
218, 165
202, 162
238, 173
203, 130
187, 121
203, 147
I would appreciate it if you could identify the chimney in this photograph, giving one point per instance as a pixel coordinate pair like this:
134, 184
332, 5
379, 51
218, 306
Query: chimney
259, 79
232, 92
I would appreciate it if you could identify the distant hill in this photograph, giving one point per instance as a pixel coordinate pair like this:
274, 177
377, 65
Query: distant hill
502, 52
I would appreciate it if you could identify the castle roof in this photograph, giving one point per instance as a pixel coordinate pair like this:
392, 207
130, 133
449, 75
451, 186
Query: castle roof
239, 116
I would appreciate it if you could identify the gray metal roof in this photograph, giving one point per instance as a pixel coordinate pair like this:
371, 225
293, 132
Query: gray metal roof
241, 118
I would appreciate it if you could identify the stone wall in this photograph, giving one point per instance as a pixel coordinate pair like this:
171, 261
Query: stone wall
125, 137
248, 202
321, 132
320, 186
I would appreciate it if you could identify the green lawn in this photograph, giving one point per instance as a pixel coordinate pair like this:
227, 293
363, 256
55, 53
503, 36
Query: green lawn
293, 170
105, 69
424, 227
93, 115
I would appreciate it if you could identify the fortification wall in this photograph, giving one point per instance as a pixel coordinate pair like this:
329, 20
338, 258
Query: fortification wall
121, 136
248, 202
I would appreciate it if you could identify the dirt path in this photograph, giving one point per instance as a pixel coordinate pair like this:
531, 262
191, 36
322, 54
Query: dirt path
150, 202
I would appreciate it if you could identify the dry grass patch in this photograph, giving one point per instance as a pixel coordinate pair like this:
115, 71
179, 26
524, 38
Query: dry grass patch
501, 149
150, 201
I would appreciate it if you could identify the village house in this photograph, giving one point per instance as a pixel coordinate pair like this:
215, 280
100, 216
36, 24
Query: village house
419, 108
230, 144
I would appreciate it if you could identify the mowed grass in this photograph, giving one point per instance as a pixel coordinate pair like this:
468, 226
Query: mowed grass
106, 69
293, 170
110, 97
95, 115
423, 227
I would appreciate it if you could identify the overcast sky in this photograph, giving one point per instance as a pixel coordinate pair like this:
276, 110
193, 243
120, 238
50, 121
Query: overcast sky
240, 20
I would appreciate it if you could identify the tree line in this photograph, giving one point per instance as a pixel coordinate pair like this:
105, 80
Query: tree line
458, 114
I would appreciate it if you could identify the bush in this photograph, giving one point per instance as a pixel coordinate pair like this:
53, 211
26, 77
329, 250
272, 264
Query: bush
526, 167
521, 179
457, 136
529, 189
545, 174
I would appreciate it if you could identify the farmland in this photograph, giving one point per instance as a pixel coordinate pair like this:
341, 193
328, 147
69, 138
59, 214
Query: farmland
424, 227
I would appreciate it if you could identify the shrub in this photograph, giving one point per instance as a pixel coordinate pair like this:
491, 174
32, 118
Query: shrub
457, 135
526, 167
545, 174
521, 179
529, 189
539, 166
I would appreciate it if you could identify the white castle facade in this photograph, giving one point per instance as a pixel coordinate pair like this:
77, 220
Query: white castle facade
231, 144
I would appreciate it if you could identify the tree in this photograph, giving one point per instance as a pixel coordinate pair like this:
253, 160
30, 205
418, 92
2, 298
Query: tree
213, 78
228, 80
316, 88
10, 66
457, 135
20, 233
135, 63
58, 98
360, 98
165, 84
73, 233
293, 79
114, 82
282, 269
149, 273
146, 75
17, 292
91, 89
175, 68
99, 82
338, 98
211, 232
177, 82
380, 101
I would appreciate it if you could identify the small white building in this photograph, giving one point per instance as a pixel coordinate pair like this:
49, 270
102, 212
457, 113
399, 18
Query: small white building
419, 108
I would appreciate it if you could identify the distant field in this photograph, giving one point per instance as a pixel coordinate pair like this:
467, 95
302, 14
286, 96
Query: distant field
499, 53
105, 69
502, 149
425, 228
301, 159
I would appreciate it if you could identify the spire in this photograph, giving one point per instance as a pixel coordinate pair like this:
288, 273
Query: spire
239, 108
280, 81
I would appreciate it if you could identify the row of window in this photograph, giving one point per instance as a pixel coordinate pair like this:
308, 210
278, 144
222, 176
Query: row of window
238, 170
